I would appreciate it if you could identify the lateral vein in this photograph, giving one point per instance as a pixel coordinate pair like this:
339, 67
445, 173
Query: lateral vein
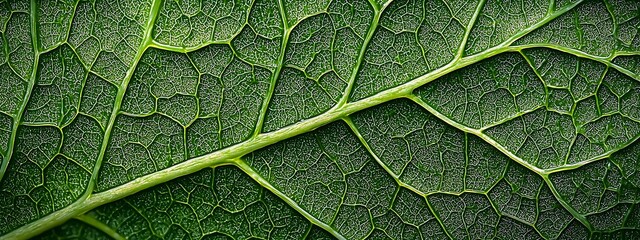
230, 155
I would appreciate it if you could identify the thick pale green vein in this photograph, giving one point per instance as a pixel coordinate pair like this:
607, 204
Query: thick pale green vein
229, 155
257, 142
238, 150
186, 49
92, 201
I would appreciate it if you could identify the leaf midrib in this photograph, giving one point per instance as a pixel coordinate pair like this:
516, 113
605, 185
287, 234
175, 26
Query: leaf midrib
226, 155
231, 154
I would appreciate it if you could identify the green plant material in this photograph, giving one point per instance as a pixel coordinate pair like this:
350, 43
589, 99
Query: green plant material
324, 119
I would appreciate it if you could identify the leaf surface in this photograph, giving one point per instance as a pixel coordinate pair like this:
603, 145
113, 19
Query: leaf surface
334, 119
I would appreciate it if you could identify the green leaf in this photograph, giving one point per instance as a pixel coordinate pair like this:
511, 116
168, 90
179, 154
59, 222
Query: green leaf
336, 119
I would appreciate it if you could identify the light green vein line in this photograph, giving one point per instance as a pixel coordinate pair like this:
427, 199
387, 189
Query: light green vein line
548, 18
476, 132
221, 157
232, 152
372, 29
437, 217
544, 174
366, 145
355, 130
467, 32
146, 41
80, 207
577, 53
89, 220
264, 183
17, 120
566, 206
599, 157
276, 73
235, 151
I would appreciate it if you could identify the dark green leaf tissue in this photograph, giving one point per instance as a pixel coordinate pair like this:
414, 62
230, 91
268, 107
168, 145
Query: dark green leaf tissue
323, 119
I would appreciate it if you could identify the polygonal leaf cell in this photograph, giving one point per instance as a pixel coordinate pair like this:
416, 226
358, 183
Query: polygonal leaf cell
140, 146
56, 95
6, 128
486, 93
107, 34
15, 65
18, 38
193, 23
404, 46
54, 20
259, 42
230, 94
630, 63
499, 21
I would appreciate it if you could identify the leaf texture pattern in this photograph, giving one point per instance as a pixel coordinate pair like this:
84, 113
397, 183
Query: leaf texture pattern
328, 119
